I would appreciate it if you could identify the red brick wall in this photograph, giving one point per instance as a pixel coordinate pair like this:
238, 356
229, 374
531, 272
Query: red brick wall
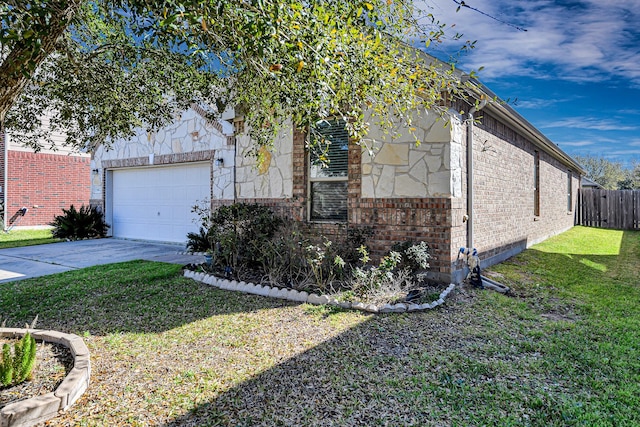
50, 182
2, 183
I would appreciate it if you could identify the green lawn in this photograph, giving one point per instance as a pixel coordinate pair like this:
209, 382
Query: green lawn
166, 350
24, 237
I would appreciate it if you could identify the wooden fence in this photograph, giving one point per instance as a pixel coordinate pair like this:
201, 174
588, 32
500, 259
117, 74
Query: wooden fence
619, 209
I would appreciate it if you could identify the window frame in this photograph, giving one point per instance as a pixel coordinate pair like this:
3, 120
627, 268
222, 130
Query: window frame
569, 191
311, 180
536, 183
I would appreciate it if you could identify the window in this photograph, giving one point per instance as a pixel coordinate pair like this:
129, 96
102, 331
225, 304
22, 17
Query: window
328, 171
569, 192
536, 183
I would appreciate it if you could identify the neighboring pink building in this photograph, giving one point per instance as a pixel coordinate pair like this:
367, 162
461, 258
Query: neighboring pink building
43, 182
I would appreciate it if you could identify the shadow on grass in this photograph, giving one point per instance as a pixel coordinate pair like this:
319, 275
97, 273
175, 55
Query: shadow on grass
466, 364
136, 296
481, 359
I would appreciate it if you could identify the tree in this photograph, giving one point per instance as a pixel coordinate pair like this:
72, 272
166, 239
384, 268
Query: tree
102, 68
611, 175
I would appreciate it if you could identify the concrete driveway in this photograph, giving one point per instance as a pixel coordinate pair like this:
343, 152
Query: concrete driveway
40, 260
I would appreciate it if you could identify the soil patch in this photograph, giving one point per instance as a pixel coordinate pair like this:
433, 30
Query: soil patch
53, 363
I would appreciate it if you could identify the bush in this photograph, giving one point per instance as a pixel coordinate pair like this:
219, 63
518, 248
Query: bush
283, 257
16, 367
249, 242
74, 224
199, 242
415, 256
399, 271
238, 232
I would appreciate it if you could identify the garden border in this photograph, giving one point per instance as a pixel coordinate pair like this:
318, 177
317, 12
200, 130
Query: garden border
41, 408
302, 296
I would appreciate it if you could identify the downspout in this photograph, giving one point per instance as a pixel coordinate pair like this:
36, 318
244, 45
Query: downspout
235, 168
470, 172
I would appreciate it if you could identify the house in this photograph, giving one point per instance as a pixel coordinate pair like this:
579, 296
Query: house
147, 185
589, 183
35, 187
495, 183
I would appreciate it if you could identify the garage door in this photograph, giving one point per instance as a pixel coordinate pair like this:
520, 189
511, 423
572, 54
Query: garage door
155, 203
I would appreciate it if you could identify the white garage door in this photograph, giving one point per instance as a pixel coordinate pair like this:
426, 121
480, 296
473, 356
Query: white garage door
155, 203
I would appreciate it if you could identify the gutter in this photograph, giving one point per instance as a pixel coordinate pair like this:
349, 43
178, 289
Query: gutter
508, 115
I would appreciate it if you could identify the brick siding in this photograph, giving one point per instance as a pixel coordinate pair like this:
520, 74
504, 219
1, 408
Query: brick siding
504, 220
2, 183
50, 182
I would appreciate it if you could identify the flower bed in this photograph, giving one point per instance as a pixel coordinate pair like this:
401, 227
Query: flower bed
41, 408
303, 296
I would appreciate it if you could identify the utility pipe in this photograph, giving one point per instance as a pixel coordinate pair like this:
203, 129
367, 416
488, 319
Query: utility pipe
470, 171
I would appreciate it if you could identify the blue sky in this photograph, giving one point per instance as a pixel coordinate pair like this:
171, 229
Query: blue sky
574, 74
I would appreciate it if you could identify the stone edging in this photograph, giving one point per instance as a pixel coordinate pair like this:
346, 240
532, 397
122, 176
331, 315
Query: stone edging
302, 296
41, 408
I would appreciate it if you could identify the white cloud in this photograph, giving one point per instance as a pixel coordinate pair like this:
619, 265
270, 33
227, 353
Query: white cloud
541, 103
629, 112
580, 41
577, 144
589, 123
623, 153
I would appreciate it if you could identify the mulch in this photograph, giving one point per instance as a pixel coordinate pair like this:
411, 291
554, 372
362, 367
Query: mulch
53, 362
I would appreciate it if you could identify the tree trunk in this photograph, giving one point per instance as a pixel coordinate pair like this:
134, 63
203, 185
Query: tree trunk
18, 67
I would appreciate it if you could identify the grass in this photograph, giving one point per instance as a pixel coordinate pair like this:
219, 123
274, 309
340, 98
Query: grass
25, 237
168, 351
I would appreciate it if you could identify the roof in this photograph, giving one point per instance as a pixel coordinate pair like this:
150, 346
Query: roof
507, 114
510, 116
586, 182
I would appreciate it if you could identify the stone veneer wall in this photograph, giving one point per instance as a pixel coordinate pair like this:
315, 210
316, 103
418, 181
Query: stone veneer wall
423, 215
189, 138
504, 220
271, 179
400, 168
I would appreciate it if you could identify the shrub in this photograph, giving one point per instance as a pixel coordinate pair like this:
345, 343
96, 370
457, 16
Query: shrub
369, 279
348, 248
199, 242
239, 231
396, 273
74, 224
283, 257
16, 368
326, 266
415, 256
